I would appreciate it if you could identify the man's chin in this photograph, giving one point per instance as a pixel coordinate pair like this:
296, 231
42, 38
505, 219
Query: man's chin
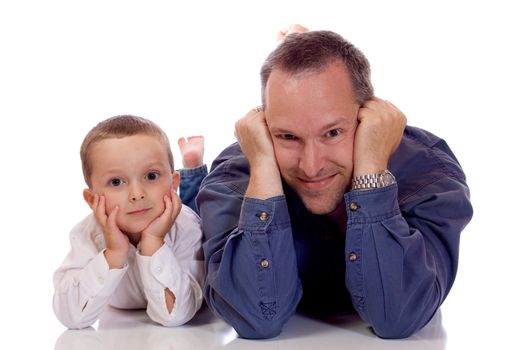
319, 206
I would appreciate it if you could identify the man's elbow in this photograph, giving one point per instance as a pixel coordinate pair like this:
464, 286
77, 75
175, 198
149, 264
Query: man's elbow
393, 330
246, 324
261, 330
401, 327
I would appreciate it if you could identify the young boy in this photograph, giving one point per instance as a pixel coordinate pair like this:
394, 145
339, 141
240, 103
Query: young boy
140, 248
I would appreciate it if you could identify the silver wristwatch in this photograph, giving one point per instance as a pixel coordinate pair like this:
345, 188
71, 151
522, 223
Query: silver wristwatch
369, 181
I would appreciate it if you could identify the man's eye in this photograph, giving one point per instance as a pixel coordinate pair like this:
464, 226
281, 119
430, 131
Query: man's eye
152, 176
115, 182
288, 137
334, 132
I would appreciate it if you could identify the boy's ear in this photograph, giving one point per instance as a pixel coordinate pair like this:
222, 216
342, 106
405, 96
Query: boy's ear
176, 179
89, 197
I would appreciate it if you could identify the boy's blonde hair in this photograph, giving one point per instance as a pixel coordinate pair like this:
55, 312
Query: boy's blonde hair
118, 127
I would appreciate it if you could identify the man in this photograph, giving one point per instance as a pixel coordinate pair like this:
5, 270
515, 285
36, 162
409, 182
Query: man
329, 203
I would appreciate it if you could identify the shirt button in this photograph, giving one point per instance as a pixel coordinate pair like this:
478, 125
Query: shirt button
263, 216
353, 256
264, 263
100, 279
353, 206
158, 269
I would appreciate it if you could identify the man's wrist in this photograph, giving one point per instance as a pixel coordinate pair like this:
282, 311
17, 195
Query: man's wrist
265, 181
374, 180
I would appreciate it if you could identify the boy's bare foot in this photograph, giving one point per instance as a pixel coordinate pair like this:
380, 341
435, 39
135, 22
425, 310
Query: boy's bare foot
192, 150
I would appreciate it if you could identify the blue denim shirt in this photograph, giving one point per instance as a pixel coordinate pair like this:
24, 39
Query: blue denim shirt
394, 265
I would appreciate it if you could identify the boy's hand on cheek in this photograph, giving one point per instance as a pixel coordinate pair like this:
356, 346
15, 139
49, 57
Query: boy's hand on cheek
117, 243
152, 238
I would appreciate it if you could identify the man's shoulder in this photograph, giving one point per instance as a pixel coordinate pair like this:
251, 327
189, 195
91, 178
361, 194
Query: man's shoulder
230, 155
423, 158
230, 167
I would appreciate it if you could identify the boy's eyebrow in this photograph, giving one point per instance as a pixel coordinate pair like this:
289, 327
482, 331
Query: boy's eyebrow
154, 163
115, 171
111, 171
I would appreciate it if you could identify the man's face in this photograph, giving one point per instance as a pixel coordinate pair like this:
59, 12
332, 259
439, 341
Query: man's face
133, 173
312, 118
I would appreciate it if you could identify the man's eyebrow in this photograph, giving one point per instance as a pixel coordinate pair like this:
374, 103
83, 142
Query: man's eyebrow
328, 126
338, 122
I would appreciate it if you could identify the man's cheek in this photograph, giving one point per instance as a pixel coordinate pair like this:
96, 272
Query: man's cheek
284, 158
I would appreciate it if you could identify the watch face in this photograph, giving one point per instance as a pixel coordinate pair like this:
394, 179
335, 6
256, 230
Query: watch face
386, 178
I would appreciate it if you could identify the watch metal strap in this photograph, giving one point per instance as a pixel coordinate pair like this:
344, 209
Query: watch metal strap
369, 181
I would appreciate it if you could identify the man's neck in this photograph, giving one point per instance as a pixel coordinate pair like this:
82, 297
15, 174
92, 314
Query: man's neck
339, 216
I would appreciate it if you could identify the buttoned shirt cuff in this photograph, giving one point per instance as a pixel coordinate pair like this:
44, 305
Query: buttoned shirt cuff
258, 215
199, 171
157, 270
97, 277
368, 206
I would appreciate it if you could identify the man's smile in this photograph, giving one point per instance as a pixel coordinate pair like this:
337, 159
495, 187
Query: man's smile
316, 184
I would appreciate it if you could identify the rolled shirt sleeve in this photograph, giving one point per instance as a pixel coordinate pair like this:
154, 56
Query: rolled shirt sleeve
178, 266
84, 283
402, 244
251, 279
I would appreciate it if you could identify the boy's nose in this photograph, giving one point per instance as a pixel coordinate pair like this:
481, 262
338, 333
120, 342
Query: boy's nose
136, 193
134, 198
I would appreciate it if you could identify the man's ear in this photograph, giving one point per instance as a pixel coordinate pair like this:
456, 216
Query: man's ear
89, 197
176, 179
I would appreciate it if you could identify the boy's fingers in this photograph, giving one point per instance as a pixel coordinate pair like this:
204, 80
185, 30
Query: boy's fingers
100, 209
167, 205
177, 205
112, 219
95, 202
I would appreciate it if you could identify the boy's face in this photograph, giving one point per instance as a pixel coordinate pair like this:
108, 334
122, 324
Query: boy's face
131, 172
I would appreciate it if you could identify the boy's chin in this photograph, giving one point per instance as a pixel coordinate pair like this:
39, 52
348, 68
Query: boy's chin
134, 231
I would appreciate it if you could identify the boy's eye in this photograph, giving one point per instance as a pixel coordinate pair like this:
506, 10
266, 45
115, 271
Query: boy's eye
115, 182
334, 132
152, 176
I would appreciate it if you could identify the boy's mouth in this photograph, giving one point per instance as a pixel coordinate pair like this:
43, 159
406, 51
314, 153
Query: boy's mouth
138, 211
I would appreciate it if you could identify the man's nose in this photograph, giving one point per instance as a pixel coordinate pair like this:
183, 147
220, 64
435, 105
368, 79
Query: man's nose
311, 160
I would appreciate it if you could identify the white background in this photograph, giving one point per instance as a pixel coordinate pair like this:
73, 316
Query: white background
455, 68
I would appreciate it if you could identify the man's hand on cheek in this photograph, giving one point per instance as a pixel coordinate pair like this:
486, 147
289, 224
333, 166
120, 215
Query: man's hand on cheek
254, 138
256, 143
117, 243
380, 129
152, 237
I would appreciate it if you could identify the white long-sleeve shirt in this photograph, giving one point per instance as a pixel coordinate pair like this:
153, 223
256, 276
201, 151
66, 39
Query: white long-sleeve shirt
84, 283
